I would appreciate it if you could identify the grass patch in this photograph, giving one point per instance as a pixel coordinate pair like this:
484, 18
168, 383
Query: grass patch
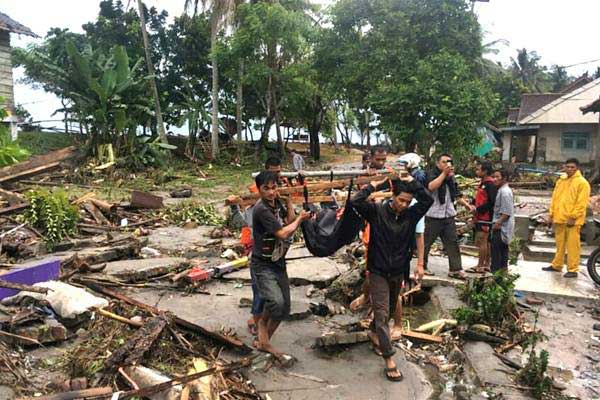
38, 142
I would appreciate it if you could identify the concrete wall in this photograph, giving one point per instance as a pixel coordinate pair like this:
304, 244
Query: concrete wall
6, 77
549, 142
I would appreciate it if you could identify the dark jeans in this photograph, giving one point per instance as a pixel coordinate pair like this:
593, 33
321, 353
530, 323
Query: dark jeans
258, 304
273, 288
499, 252
384, 298
444, 228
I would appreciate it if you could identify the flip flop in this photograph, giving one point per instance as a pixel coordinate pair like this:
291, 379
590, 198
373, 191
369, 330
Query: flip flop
475, 270
428, 272
457, 275
389, 377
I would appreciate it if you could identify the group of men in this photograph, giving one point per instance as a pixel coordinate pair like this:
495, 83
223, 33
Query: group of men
394, 232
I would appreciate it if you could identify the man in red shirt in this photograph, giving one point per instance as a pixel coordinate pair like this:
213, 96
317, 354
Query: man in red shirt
484, 208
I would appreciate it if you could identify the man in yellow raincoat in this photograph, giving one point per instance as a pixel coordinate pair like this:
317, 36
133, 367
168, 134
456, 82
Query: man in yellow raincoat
567, 212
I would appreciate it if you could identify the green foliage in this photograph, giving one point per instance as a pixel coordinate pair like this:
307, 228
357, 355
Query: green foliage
534, 373
193, 212
514, 249
52, 213
38, 142
10, 152
488, 300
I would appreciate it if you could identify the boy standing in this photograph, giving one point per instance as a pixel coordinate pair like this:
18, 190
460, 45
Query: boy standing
503, 226
273, 226
484, 203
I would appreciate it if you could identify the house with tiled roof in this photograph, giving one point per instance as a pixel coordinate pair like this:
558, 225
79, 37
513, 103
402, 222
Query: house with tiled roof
548, 128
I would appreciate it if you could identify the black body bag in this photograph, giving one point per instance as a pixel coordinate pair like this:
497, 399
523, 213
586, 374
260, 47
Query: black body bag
326, 234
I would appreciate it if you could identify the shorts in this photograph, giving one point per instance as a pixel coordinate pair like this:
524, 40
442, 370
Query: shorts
273, 288
479, 227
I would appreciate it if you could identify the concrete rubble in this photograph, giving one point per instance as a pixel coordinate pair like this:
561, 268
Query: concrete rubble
163, 326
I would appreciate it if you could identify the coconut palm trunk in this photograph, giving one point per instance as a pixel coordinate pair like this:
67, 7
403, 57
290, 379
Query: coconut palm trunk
159, 120
214, 130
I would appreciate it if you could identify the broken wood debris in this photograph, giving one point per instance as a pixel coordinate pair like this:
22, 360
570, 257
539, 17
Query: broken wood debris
223, 339
138, 344
22, 287
36, 165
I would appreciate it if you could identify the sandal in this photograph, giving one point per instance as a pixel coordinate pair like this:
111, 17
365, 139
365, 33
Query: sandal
390, 377
428, 272
457, 275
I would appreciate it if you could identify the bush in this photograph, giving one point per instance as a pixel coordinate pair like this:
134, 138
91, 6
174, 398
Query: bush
52, 213
489, 300
193, 212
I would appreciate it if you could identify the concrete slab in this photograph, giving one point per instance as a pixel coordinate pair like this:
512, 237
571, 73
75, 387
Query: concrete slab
354, 374
143, 269
490, 370
317, 271
533, 279
174, 239
545, 251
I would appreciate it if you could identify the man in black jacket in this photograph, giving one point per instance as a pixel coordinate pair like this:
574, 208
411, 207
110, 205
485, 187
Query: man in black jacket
393, 224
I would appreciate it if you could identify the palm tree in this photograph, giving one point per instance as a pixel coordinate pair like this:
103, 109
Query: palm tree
221, 14
527, 69
159, 120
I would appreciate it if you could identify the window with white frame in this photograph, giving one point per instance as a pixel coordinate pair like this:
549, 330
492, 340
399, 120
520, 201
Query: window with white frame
575, 141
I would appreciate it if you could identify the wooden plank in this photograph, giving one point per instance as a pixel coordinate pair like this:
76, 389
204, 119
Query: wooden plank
11, 197
422, 336
11, 209
22, 287
101, 392
36, 164
138, 344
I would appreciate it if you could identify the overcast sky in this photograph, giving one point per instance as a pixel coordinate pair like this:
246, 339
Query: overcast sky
562, 32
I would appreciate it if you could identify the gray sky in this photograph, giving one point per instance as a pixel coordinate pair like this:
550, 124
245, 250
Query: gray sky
560, 31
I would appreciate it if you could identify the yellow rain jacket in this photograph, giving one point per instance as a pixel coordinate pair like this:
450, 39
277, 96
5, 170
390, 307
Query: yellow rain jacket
570, 199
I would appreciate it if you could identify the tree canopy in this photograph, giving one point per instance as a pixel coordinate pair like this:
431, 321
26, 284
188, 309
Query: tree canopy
397, 70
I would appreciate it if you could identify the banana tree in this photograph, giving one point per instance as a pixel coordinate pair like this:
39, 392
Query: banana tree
110, 95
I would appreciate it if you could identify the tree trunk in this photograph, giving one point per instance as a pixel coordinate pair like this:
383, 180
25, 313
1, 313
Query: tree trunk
333, 127
277, 123
159, 120
367, 129
239, 104
214, 134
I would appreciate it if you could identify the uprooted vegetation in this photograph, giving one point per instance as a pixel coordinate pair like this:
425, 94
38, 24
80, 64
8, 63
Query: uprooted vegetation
488, 300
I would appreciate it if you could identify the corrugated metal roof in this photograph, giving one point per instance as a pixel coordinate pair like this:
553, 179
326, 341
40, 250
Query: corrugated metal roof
10, 25
532, 102
566, 109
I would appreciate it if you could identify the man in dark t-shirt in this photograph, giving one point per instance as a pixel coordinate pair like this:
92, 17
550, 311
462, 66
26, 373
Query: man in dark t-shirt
273, 225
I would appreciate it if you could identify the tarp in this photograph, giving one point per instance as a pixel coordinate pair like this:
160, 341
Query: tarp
326, 234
